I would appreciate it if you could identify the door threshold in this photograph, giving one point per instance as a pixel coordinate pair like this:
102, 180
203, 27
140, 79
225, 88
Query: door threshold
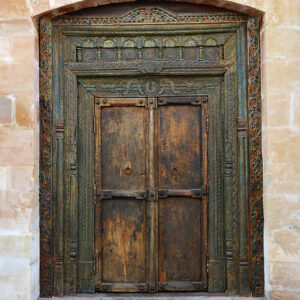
159, 296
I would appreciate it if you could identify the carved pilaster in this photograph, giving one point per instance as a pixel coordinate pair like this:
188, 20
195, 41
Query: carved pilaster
59, 211
255, 158
46, 203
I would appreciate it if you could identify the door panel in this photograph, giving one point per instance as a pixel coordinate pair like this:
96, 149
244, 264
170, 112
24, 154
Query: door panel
124, 241
181, 139
121, 209
123, 148
180, 253
151, 161
179, 146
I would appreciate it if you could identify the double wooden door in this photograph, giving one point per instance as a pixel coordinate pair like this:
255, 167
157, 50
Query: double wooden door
151, 194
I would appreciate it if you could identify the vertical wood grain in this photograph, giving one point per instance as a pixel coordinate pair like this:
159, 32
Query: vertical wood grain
152, 204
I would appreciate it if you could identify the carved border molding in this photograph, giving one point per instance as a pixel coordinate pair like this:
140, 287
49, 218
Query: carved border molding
153, 15
143, 16
255, 158
46, 172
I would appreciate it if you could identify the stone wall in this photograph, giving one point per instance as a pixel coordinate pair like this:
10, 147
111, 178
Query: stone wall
19, 141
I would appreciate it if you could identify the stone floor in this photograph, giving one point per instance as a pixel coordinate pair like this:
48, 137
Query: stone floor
159, 296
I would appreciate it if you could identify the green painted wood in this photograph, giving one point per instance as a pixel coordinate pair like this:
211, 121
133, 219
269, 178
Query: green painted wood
208, 58
86, 191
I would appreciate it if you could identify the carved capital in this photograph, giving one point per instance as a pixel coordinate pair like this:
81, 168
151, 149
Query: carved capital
59, 129
242, 126
228, 168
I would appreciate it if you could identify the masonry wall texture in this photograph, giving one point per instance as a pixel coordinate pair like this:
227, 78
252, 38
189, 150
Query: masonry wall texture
19, 141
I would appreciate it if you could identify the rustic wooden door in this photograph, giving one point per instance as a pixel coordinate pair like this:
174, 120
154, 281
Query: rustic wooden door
124, 166
151, 200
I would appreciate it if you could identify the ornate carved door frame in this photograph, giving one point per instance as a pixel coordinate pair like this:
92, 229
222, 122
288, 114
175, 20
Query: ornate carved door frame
221, 44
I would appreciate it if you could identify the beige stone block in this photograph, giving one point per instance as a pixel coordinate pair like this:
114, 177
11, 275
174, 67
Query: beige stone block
35, 246
12, 245
14, 9
17, 200
283, 12
3, 178
284, 243
282, 75
6, 111
21, 179
35, 225
16, 211
16, 219
16, 147
35, 280
282, 178
39, 6
282, 146
245, 6
282, 211
11, 290
25, 112
70, 6
282, 42
2, 203
17, 76
17, 27
14, 278
92, 3
60, 3
284, 275
282, 225
284, 295
276, 110
295, 105
17, 49
251, 7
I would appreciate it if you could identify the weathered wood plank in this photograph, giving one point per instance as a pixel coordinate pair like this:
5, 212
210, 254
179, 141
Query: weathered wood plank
182, 222
124, 241
152, 206
121, 182
179, 146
